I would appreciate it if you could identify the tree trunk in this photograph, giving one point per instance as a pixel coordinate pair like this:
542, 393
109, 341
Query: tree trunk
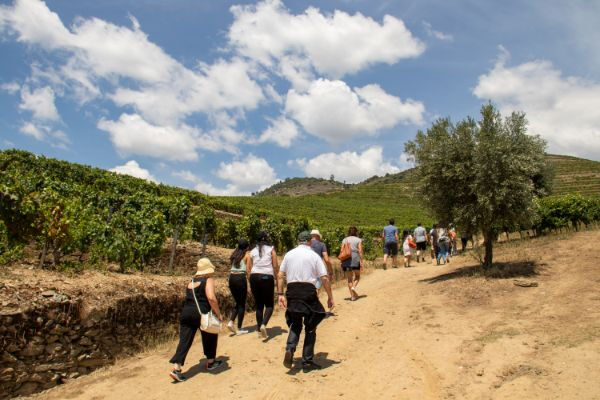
489, 249
204, 240
173, 247
43, 255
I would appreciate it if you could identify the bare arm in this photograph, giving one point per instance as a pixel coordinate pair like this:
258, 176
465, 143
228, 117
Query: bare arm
275, 263
327, 286
248, 262
280, 297
212, 298
328, 263
360, 253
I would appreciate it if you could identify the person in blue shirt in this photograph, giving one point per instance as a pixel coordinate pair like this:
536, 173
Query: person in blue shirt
390, 244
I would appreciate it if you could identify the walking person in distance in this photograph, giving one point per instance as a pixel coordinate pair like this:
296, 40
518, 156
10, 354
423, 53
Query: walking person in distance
421, 240
202, 287
408, 247
354, 265
301, 267
443, 241
263, 269
238, 285
390, 244
321, 249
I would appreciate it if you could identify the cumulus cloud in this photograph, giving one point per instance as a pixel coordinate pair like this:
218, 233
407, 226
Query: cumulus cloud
43, 132
334, 111
131, 134
133, 168
243, 176
351, 167
10, 87
159, 88
561, 109
336, 44
446, 37
40, 102
281, 131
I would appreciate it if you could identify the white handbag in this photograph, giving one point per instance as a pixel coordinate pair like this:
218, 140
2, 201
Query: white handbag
208, 322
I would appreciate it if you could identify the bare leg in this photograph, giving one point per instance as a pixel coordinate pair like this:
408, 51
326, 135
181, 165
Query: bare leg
395, 261
350, 283
385, 257
356, 278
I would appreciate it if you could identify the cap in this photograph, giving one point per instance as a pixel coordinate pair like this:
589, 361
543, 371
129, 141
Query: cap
304, 236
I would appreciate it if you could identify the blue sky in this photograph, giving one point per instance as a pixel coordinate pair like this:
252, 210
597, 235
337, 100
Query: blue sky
229, 97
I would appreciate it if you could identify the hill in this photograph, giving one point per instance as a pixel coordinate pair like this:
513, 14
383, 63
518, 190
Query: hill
371, 202
302, 186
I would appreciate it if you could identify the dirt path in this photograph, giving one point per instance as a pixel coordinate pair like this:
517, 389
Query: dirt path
421, 333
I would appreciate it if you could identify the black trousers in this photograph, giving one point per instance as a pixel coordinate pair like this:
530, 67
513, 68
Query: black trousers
239, 291
262, 286
189, 324
295, 320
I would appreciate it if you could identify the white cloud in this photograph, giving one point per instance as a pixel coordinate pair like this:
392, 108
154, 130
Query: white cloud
243, 176
251, 173
446, 37
336, 44
350, 167
333, 111
40, 102
139, 72
281, 131
131, 134
42, 132
133, 168
10, 87
561, 109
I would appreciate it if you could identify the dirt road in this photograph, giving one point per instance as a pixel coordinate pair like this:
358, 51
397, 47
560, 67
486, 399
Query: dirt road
426, 332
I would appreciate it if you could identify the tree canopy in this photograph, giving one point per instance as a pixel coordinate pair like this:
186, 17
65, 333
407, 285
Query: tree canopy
482, 175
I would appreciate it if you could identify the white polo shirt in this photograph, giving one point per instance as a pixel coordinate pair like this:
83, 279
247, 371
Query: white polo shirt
302, 264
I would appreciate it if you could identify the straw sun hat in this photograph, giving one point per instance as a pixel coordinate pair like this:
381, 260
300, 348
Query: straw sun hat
204, 267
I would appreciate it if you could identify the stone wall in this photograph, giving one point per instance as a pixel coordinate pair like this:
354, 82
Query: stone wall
56, 339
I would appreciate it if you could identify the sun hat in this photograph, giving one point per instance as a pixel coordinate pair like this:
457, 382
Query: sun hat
315, 232
304, 236
204, 267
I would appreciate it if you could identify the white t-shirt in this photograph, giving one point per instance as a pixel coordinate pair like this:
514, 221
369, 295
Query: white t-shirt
264, 264
302, 264
420, 234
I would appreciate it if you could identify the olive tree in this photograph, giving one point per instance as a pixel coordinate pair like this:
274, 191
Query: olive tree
482, 175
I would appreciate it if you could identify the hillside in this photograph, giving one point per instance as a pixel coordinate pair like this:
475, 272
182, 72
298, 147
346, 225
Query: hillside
302, 186
371, 202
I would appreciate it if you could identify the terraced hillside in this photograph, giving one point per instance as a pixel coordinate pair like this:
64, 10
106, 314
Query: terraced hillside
575, 175
372, 201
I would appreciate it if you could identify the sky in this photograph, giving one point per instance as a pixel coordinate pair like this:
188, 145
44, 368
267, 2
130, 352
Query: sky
229, 97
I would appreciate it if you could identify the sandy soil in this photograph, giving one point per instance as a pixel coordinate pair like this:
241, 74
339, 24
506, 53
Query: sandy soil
426, 332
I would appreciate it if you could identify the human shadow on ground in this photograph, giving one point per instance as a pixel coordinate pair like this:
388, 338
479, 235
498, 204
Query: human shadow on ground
274, 332
361, 296
320, 358
200, 368
497, 271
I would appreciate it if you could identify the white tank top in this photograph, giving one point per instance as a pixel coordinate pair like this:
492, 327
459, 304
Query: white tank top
264, 264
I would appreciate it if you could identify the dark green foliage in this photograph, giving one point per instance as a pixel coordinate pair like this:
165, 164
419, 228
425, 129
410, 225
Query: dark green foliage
484, 176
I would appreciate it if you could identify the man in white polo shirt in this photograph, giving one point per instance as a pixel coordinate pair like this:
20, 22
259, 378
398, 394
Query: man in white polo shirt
301, 267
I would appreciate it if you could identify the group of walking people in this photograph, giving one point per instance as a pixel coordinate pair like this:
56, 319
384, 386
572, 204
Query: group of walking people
441, 240
304, 271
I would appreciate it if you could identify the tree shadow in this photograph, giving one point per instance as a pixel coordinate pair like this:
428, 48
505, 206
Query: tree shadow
320, 358
497, 271
200, 368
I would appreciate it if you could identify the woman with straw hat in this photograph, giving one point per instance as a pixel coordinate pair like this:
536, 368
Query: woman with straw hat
200, 293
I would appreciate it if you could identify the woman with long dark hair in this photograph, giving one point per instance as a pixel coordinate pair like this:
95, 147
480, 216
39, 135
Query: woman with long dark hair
238, 285
263, 267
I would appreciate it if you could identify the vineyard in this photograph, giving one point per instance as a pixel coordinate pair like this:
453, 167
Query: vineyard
75, 214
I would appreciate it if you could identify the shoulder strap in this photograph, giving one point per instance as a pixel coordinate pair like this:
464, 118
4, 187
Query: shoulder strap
194, 294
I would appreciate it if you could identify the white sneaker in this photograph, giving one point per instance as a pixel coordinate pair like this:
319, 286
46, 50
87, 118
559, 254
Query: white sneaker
263, 331
231, 327
241, 332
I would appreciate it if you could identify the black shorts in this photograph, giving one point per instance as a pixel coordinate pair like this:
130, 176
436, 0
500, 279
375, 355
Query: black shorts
421, 245
391, 249
347, 267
